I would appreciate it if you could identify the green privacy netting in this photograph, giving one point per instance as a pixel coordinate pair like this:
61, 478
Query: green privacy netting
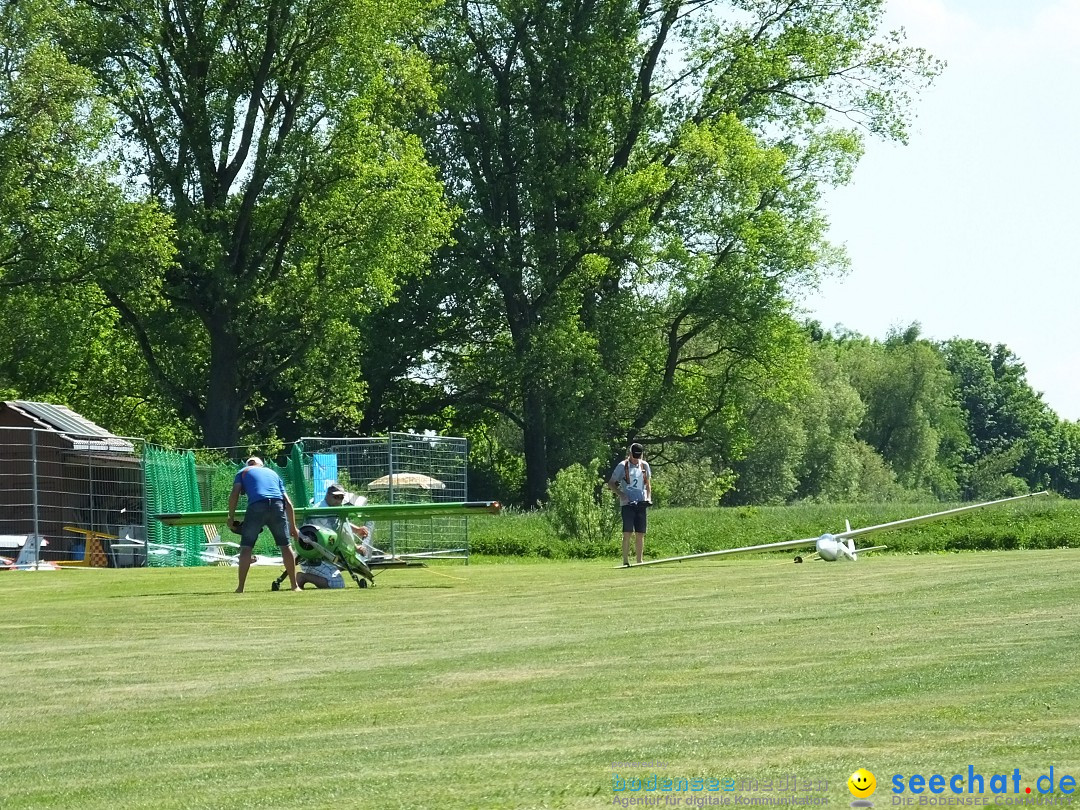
171, 485
175, 483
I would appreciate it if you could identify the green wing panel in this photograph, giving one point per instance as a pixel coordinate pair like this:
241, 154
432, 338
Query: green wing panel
393, 511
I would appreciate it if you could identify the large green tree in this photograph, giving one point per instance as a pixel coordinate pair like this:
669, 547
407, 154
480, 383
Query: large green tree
47, 138
270, 133
1013, 432
912, 418
802, 445
63, 227
1065, 473
640, 185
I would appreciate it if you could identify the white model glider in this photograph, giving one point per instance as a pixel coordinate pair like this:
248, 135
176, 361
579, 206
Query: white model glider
832, 547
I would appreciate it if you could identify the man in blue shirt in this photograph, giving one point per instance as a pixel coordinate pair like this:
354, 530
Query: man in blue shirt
268, 505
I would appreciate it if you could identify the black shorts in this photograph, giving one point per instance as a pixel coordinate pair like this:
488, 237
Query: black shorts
634, 517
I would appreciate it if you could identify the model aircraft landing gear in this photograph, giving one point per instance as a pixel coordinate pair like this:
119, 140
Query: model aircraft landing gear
364, 571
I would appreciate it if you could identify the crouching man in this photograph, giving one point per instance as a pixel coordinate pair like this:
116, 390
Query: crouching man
321, 575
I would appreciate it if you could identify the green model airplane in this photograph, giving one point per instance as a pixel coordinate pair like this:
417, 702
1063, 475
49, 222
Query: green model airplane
379, 511
338, 546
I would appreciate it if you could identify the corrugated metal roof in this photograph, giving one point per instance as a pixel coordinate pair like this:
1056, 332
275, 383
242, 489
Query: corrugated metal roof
79, 429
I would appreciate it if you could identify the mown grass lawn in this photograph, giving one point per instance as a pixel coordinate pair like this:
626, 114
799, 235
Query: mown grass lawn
518, 685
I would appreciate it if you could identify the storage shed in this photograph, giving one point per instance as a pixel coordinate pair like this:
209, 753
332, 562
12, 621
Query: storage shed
59, 471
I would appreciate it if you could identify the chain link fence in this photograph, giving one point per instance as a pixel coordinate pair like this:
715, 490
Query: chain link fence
400, 468
82, 494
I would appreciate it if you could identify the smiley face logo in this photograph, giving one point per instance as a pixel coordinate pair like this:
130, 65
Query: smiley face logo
862, 783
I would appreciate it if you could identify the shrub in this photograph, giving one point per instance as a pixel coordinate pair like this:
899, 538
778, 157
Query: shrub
579, 511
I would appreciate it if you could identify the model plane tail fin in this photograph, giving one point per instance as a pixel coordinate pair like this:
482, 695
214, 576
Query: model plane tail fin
30, 553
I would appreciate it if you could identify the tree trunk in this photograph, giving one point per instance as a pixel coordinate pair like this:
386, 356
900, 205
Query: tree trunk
224, 404
535, 443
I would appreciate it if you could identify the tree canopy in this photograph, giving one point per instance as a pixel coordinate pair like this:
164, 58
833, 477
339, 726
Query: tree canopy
270, 134
640, 187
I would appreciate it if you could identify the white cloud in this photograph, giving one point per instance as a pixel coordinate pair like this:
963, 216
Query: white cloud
930, 24
1039, 31
1057, 28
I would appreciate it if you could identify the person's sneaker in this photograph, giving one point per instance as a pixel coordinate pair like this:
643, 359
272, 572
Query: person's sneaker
625, 563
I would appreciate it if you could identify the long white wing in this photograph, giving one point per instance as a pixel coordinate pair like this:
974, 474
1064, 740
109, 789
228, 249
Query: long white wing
935, 516
812, 541
809, 541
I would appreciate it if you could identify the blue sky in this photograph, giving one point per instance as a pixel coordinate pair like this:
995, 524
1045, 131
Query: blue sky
973, 228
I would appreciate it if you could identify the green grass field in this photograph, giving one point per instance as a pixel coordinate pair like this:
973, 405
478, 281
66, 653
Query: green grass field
518, 685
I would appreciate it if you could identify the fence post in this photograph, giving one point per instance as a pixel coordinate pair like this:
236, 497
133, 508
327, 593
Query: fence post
390, 488
34, 490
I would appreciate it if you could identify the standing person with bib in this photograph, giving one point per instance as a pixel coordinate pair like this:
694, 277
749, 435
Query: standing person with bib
632, 482
268, 505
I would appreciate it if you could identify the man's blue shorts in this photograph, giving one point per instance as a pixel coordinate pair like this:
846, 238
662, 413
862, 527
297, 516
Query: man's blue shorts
267, 512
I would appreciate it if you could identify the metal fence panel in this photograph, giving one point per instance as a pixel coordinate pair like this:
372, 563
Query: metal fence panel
401, 468
83, 494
